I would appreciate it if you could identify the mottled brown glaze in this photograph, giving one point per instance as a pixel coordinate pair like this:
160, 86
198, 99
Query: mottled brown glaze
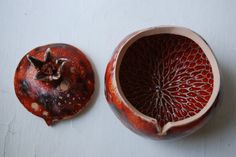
150, 124
59, 98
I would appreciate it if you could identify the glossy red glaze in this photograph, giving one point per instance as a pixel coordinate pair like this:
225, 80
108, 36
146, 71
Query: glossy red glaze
57, 99
162, 79
160, 76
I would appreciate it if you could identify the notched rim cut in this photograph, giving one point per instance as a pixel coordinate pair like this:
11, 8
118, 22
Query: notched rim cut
175, 31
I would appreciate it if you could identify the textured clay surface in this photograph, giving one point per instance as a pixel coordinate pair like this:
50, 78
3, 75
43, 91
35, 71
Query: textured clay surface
167, 77
57, 99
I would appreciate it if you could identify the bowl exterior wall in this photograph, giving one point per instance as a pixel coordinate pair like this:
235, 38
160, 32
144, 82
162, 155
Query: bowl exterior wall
129, 117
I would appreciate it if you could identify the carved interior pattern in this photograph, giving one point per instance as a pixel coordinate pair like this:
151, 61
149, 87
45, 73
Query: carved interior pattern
167, 77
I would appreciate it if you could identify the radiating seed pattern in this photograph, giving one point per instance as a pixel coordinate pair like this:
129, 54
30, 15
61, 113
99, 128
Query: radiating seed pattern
167, 77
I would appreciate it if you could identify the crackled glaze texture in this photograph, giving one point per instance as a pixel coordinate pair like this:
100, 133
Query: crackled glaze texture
167, 77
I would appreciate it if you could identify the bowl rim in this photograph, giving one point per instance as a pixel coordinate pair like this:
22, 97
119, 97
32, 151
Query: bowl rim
176, 30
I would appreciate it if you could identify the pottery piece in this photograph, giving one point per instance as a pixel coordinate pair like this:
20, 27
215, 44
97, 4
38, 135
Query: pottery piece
54, 82
163, 82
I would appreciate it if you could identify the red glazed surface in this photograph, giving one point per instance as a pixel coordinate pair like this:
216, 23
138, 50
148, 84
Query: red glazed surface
57, 99
165, 78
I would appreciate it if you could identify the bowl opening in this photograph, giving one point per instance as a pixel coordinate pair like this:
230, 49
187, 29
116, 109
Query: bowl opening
167, 75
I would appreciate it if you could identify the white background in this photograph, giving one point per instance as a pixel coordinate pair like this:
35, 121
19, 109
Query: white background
96, 27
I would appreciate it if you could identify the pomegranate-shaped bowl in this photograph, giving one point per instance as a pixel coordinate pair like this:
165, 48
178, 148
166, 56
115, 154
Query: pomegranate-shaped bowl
54, 82
163, 82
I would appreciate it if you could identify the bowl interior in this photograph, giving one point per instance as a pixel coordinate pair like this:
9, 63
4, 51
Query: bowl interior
166, 76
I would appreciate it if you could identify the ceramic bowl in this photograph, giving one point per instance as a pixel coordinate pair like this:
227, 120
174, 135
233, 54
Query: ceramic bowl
163, 82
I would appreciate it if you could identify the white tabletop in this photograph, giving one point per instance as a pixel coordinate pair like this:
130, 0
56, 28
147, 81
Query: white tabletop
96, 27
